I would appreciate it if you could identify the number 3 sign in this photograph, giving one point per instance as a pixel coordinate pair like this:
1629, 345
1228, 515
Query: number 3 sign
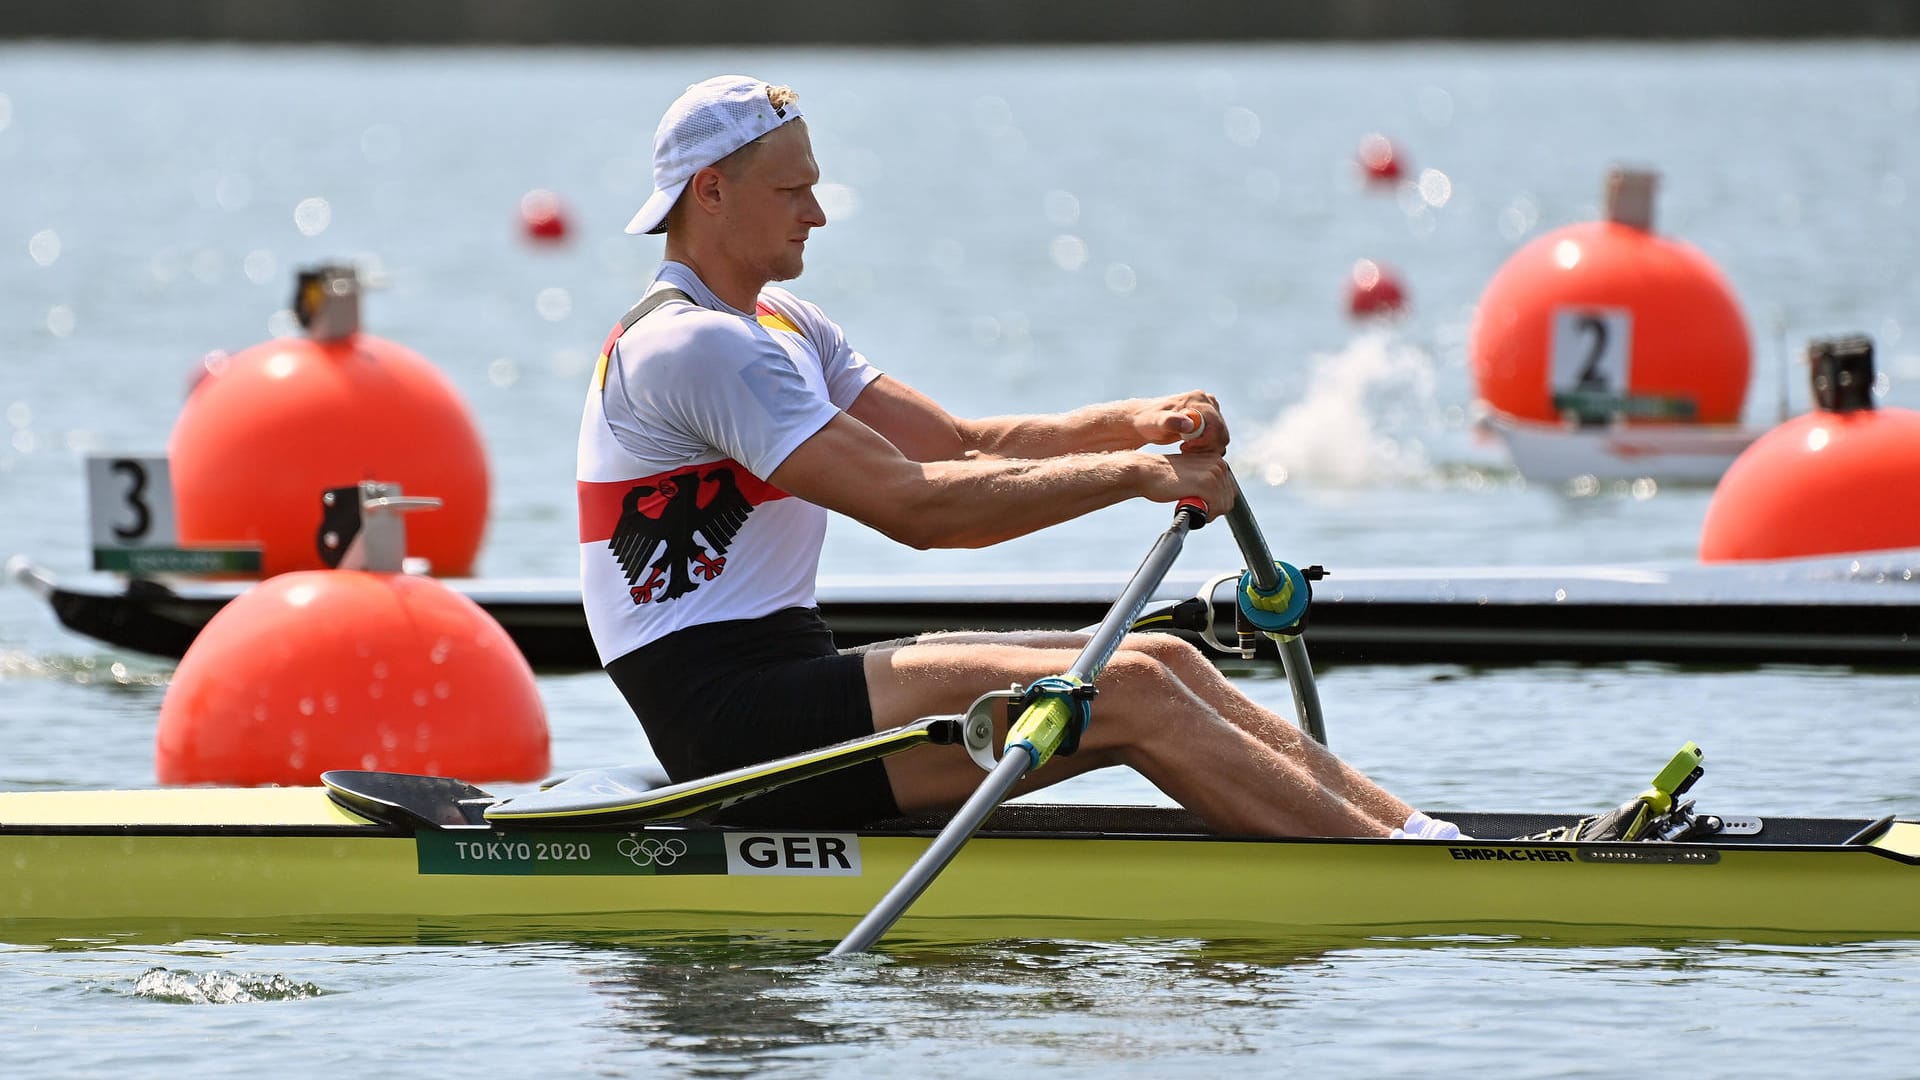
132, 502
131, 514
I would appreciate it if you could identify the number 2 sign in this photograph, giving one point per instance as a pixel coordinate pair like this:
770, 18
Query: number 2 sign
1592, 352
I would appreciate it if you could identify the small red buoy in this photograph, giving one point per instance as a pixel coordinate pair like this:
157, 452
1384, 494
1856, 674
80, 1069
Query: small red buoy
1834, 480
543, 216
1374, 290
1606, 320
272, 427
1379, 160
350, 669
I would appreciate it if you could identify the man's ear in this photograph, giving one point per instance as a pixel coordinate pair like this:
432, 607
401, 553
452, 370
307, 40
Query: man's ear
704, 189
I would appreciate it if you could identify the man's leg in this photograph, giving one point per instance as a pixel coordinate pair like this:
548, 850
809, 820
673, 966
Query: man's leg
1205, 680
1284, 737
1206, 750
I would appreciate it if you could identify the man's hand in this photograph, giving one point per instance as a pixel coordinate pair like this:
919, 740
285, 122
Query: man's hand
1190, 475
1192, 418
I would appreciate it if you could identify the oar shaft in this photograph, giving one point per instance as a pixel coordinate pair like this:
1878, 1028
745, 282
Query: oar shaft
938, 854
1014, 765
1253, 545
1133, 599
1293, 651
1306, 695
726, 788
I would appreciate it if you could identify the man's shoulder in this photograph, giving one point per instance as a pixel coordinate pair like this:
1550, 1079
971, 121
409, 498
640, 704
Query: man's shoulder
784, 303
780, 296
681, 330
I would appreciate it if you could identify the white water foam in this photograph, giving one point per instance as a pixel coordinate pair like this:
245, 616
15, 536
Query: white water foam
1365, 421
218, 988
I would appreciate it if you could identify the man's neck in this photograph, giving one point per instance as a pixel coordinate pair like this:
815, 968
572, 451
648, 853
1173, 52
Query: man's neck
740, 292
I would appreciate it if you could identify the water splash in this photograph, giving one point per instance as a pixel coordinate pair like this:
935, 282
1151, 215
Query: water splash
1364, 420
82, 670
219, 988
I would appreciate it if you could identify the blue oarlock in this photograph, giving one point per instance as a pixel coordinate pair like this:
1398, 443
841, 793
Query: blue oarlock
1280, 611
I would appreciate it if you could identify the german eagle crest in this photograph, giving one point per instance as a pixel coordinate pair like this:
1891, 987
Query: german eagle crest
669, 532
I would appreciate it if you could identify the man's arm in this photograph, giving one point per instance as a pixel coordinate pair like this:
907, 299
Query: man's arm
850, 468
926, 432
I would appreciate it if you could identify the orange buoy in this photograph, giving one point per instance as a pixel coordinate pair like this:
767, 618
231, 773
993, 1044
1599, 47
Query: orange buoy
543, 216
1379, 159
1605, 320
1374, 290
1833, 480
350, 669
269, 429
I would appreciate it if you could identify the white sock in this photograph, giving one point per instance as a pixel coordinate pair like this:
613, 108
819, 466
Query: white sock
1421, 827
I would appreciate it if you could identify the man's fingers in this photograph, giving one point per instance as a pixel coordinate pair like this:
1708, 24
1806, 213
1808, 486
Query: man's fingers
1193, 424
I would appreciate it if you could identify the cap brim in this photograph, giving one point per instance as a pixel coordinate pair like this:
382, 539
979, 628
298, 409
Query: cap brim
652, 217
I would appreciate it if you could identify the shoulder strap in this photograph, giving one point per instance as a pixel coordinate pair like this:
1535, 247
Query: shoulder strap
646, 305
634, 314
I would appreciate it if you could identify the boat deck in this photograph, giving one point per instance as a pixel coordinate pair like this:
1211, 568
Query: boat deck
456, 807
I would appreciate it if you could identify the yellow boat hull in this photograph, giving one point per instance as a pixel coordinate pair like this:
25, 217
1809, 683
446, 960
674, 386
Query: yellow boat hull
194, 863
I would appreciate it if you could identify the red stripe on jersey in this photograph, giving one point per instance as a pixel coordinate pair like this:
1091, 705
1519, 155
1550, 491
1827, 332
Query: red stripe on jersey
601, 502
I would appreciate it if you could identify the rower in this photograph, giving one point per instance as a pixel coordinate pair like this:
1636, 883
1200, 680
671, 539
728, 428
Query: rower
729, 418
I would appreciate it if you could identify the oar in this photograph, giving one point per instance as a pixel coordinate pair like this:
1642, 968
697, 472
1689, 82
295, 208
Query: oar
665, 803
640, 805
1273, 600
1042, 726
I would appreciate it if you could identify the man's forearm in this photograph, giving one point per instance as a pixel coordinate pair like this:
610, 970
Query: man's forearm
1091, 429
954, 504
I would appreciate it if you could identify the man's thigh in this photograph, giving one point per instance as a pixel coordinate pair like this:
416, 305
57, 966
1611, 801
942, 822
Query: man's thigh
940, 675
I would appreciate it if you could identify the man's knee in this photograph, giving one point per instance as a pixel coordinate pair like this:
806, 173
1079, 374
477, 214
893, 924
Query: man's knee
1175, 652
1139, 667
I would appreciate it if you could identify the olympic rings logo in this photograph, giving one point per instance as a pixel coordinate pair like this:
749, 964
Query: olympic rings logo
652, 852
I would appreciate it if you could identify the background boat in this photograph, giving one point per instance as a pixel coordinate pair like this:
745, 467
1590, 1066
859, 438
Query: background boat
1611, 453
1850, 610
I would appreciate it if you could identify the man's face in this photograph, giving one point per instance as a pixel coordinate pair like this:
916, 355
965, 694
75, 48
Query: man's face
769, 206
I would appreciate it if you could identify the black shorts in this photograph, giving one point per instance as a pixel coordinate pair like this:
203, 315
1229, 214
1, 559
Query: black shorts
722, 695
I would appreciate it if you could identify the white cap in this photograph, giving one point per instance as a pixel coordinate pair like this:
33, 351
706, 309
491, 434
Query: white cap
708, 122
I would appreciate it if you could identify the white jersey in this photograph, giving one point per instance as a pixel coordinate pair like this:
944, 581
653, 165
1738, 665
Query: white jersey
691, 408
